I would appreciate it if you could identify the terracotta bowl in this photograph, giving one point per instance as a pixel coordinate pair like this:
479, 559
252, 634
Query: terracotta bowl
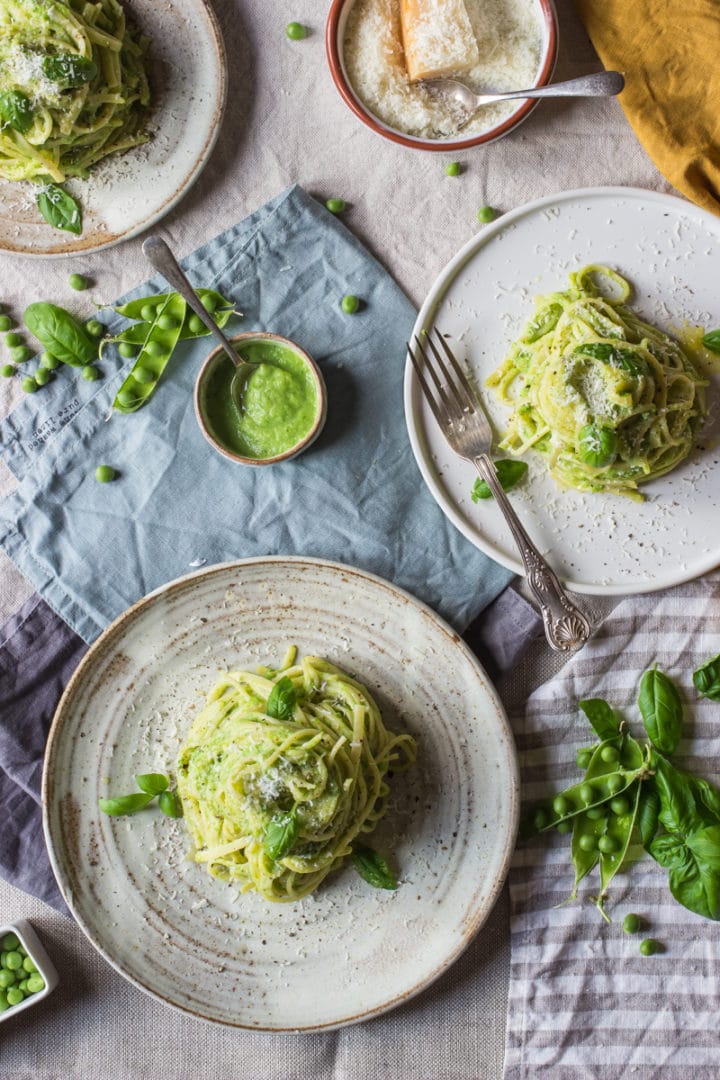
334, 37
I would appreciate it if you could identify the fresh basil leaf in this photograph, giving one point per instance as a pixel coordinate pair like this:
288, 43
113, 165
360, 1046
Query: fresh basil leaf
696, 886
648, 812
678, 809
69, 70
170, 804
281, 833
60, 334
707, 797
371, 866
625, 359
152, 782
706, 679
602, 718
282, 700
60, 209
510, 473
705, 846
124, 804
661, 710
15, 110
711, 341
668, 850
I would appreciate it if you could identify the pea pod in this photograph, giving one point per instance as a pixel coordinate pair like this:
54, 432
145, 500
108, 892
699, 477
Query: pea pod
156, 350
220, 307
585, 853
618, 832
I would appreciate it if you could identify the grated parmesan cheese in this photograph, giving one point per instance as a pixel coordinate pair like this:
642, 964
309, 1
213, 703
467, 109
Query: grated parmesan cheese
508, 37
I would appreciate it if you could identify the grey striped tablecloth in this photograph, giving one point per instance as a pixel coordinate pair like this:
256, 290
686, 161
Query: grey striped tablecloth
583, 1002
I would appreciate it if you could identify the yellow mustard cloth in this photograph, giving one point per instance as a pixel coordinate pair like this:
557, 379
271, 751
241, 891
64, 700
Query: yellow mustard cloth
669, 52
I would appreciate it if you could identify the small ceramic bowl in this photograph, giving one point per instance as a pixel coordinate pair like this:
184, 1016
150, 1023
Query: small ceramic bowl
34, 948
206, 426
334, 39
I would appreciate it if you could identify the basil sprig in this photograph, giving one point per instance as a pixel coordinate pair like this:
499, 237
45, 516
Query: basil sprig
661, 710
60, 334
124, 804
281, 703
70, 70
602, 718
510, 473
371, 866
281, 832
624, 359
60, 209
706, 679
151, 785
711, 341
15, 110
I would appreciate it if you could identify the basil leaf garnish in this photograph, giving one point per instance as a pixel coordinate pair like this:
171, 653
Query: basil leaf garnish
711, 341
648, 812
60, 209
602, 718
15, 110
371, 866
282, 700
124, 804
170, 804
510, 473
678, 811
281, 833
70, 70
694, 866
152, 782
706, 679
625, 359
661, 710
60, 334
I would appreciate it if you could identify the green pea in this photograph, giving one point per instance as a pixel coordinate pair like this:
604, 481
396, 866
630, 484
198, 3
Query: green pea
47, 360
155, 348
7, 370
29, 964
95, 328
609, 754
631, 923
35, 983
7, 978
560, 805
77, 282
127, 349
620, 806
296, 31
195, 324
143, 376
6, 323
485, 215
335, 206
595, 813
564, 826
13, 960
12, 340
613, 783
608, 845
147, 312
23, 986
540, 819
597, 446
126, 397
29, 385
453, 168
14, 995
42, 376
209, 302
350, 304
648, 947
583, 758
20, 354
587, 842
587, 793
104, 474
90, 373
166, 322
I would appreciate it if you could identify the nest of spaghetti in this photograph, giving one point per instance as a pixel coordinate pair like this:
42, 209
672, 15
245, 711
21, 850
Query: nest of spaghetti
282, 771
610, 401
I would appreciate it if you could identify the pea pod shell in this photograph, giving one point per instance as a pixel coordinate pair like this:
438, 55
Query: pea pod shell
133, 308
584, 861
620, 828
597, 770
174, 305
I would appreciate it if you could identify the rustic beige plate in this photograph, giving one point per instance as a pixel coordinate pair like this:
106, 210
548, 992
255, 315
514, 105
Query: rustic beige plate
350, 952
127, 193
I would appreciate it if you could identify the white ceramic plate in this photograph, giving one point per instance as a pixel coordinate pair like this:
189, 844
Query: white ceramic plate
670, 251
350, 951
127, 193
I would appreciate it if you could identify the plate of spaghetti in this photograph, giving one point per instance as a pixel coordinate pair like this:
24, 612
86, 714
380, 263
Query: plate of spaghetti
347, 784
108, 113
580, 320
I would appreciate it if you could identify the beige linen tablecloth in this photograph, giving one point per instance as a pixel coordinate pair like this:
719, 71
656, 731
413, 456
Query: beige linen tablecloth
284, 123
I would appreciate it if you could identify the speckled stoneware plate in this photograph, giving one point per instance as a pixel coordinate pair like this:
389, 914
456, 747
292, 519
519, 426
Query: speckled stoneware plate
349, 952
670, 252
127, 193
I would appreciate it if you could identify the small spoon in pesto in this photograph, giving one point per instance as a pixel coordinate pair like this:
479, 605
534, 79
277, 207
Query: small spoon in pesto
159, 255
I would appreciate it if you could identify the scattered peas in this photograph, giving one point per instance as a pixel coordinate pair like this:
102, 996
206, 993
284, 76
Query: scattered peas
166, 322
95, 328
7, 370
147, 312
42, 376
350, 304
583, 758
90, 373
29, 385
12, 340
126, 349
335, 206
77, 282
143, 376
453, 168
609, 754
6, 323
47, 360
296, 31
19, 977
608, 845
620, 806
104, 474
485, 215
631, 923
20, 354
648, 947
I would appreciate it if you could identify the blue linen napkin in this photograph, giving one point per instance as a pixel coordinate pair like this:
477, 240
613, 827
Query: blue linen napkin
355, 496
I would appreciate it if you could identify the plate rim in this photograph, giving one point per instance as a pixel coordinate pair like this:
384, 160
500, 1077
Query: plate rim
481, 914
221, 93
430, 304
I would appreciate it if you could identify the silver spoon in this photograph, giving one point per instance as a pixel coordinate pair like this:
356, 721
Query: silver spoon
602, 84
159, 255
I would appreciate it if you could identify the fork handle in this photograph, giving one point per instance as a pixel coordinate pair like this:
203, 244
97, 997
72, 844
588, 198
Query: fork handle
566, 627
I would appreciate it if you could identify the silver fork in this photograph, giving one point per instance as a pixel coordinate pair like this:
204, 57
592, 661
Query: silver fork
466, 429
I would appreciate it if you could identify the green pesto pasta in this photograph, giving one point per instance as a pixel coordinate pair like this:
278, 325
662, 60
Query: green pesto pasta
275, 802
73, 87
608, 400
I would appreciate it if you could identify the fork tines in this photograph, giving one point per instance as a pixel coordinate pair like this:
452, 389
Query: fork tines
453, 391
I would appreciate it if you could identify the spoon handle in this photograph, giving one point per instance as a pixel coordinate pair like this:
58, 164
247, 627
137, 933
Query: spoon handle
601, 84
159, 255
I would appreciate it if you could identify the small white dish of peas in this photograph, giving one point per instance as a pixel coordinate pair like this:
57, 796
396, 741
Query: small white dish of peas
27, 974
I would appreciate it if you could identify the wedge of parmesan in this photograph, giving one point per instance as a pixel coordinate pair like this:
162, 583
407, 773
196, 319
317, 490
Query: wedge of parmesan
438, 38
